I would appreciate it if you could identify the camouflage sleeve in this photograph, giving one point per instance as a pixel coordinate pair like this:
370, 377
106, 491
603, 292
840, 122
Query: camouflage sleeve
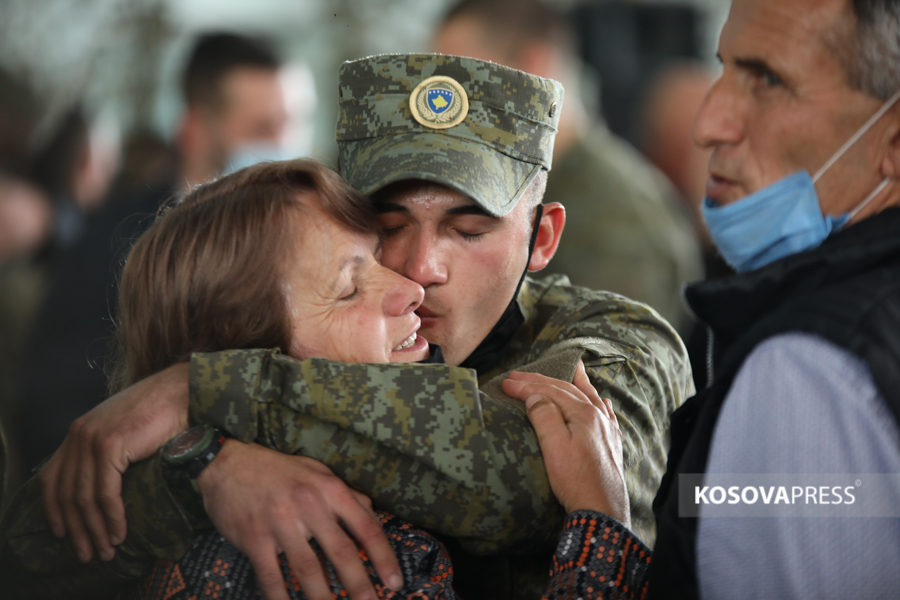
421, 440
36, 564
633, 357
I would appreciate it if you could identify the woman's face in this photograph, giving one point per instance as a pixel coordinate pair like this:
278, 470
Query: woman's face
344, 305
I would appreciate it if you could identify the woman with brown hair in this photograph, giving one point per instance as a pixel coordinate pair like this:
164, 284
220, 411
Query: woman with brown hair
276, 255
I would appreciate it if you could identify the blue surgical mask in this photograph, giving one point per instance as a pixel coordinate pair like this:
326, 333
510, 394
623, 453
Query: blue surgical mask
251, 154
783, 218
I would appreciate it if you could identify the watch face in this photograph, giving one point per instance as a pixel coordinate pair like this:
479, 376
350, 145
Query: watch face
183, 443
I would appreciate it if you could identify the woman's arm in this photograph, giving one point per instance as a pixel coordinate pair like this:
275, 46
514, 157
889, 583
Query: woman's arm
582, 445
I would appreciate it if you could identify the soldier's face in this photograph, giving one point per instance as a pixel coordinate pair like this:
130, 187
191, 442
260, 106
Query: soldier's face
468, 261
345, 306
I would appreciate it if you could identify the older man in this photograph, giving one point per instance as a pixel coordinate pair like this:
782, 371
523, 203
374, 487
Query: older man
803, 201
455, 152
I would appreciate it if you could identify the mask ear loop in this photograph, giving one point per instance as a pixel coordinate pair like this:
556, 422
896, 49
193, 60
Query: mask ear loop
855, 138
869, 198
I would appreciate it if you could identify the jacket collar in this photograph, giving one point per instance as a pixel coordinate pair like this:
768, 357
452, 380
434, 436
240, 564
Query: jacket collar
730, 306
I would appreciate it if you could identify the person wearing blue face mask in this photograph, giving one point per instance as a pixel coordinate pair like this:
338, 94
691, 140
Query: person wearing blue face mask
804, 349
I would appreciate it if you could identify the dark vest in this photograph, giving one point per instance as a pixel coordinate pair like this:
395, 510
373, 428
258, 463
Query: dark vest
846, 291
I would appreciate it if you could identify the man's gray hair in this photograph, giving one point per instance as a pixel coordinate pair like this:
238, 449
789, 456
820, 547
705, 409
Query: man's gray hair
872, 61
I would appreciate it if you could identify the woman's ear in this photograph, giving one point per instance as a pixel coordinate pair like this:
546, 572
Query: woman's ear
549, 231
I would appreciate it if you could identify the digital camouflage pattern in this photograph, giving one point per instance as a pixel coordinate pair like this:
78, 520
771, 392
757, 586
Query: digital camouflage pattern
491, 156
420, 439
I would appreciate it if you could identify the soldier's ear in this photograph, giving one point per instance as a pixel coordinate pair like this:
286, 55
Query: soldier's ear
549, 231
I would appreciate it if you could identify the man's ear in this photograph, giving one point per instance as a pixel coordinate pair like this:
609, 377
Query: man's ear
890, 166
549, 231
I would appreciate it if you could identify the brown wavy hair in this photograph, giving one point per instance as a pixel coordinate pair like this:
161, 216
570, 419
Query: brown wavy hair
207, 275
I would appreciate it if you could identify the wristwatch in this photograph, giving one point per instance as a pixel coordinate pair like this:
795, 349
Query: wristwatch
188, 453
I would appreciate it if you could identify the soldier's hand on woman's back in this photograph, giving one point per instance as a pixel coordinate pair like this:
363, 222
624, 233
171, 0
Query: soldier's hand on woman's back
82, 482
260, 500
265, 502
580, 441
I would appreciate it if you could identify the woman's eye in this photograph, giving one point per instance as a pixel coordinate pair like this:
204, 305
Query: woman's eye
351, 295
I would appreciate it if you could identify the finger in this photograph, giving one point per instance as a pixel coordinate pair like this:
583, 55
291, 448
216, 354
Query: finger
584, 385
268, 574
109, 498
570, 400
610, 411
531, 377
66, 495
547, 419
86, 499
369, 533
306, 567
363, 501
521, 389
49, 479
344, 555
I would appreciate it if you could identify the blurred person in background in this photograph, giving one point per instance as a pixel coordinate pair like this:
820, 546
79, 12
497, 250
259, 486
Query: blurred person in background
44, 216
627, 231
234, 114
25, 218
673, 97
671, 103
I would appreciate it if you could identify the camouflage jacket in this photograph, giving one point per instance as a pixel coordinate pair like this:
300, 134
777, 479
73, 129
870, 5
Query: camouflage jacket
421, 440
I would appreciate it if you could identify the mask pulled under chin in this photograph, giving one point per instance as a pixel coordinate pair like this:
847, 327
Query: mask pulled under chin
777, 221
783, 218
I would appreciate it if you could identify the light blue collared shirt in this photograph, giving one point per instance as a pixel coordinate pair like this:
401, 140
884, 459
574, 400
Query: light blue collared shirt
800, 404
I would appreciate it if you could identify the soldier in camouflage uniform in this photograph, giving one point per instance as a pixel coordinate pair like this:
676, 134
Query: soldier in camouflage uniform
422, 440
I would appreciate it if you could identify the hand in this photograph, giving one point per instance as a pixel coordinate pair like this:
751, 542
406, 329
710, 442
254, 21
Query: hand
580, 440
82, 483
265, 502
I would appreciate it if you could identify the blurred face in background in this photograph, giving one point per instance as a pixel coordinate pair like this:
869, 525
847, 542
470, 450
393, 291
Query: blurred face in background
249, 119
253, 113
25, 218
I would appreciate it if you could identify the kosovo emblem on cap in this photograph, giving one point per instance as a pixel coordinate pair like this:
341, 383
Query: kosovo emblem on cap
439, 103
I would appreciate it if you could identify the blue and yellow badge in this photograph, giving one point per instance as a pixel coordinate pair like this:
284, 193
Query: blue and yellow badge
439, 103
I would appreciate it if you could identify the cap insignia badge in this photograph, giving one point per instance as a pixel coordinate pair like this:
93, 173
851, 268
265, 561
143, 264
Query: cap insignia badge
439, 103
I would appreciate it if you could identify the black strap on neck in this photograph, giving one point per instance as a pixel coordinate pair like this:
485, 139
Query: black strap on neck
435, 358
489, 351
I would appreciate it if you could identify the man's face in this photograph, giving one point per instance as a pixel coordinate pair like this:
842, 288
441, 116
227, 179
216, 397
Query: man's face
253, 112
467, 35
468, 261
783, 104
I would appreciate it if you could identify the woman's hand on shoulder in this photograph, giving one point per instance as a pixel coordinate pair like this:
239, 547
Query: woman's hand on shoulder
580, 441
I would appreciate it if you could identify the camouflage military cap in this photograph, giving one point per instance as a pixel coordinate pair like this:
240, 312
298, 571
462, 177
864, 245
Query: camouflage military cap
480, 128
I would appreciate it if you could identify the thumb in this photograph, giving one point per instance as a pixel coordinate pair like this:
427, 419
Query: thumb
581, 380
546, 418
